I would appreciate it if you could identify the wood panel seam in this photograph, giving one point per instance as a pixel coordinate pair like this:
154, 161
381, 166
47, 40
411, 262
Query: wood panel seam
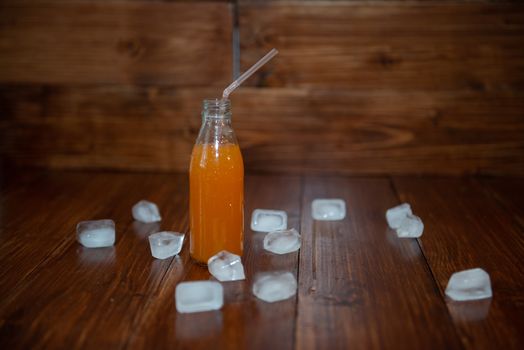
300, 213
430, 270
150, 300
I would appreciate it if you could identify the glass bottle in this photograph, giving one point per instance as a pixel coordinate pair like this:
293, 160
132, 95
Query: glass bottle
216, 185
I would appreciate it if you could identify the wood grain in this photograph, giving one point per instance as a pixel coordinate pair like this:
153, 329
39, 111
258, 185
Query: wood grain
508, 193
182, 44
385, 132
465, 228
61, 202
118, 127
120, 296
244, 322
280, 130
83, 297
361, 286
387, 45
358, 88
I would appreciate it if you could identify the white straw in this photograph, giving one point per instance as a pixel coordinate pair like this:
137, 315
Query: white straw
248, 73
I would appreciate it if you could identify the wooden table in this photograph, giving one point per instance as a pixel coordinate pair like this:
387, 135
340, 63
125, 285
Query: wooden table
359, 285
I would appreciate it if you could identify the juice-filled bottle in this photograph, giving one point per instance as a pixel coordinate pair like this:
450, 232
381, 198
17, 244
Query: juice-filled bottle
216, 185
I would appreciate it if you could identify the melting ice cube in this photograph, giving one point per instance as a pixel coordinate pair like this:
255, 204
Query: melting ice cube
226, 266
146, 211
328, 209
469, 285
410, 227
282, 242
275, 286
199, 296
263, 220
96, 233
395, 215
165, 244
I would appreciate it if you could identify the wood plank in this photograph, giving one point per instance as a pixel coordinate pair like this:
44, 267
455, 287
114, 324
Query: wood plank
280, 130
244, 321
386, 45
509, 193
15, 183
38, 218
361, 286
117, 127
385, 132
91, 297
464, 229
182, 44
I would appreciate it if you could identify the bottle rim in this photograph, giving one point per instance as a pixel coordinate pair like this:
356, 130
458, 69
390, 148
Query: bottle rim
216, 108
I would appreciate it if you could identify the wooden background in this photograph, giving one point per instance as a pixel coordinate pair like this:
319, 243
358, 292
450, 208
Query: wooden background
380, 87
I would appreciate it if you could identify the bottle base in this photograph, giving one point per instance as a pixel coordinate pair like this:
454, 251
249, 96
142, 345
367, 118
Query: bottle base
198, 261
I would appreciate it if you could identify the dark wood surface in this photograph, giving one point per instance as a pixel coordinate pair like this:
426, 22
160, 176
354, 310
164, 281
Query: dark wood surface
286, 130
359, 285
126, 42
483, 234
403, 46
359, 87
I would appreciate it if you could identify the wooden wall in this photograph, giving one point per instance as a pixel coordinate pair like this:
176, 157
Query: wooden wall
381, 87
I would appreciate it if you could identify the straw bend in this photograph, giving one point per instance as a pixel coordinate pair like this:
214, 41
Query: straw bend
248, 73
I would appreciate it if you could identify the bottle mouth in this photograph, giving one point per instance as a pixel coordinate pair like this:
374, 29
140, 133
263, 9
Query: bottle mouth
216, 108
216, 102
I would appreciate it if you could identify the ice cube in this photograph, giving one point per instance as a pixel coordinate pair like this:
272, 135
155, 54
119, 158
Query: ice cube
165, 244
470, 284
225, 266
146, 211
395, 215
410, 227
275, 286
328, 209
282, 242
96, 233
470, 311
199, 296
264, 220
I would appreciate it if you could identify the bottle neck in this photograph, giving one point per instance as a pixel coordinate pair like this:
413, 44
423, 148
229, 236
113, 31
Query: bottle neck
216, 109
216, 123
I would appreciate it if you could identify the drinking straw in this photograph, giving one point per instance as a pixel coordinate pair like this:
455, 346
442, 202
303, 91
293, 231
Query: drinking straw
248, 73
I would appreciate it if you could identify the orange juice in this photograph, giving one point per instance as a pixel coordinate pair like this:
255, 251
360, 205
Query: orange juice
216, 200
